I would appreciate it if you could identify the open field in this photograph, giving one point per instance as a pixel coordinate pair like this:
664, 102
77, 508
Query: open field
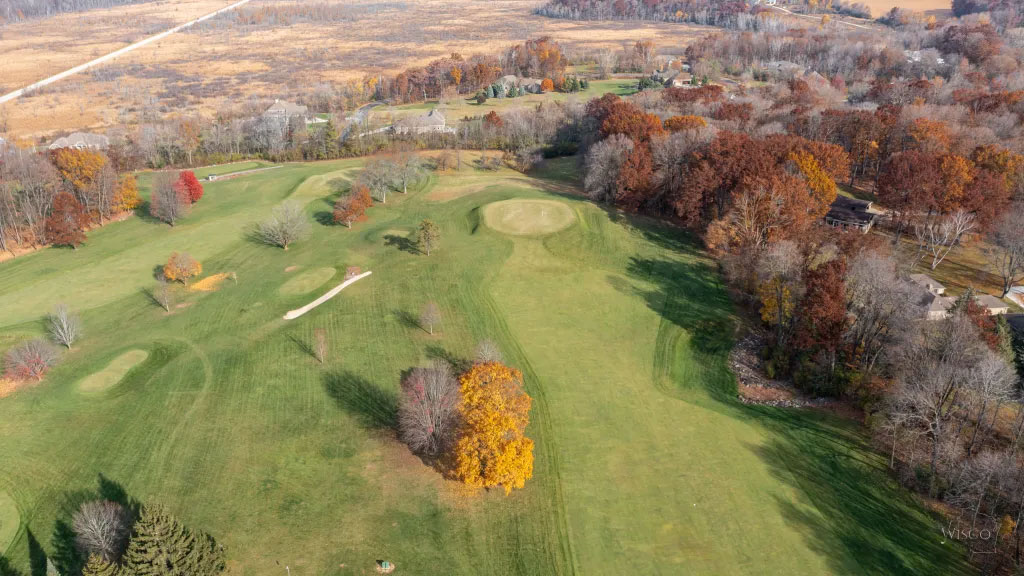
220, 63
458, 108
936, 7
645, 462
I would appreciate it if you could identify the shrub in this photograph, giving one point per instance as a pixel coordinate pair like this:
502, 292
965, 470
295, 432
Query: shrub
286, 224
30, 361
181, 267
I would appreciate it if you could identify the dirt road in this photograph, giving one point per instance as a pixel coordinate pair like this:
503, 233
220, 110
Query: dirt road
107, 57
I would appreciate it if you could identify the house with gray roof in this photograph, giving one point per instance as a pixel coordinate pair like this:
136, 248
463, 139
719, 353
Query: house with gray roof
848, 212
431, 122
81, 141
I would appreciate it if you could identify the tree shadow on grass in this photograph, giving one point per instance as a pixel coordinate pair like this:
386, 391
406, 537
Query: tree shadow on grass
373, 406
852, 512
302, 345
458, 364
407, 319
403, 243
6, 569
36, 556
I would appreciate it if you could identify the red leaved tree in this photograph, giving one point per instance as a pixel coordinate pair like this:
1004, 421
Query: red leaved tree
190, 184
67, 222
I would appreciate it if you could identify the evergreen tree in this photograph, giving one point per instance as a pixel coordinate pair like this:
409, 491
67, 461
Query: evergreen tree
97, 566
330, 137
490, 91
162, 546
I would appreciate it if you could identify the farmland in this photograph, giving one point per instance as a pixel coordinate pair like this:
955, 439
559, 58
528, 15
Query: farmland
645, 462
223, 63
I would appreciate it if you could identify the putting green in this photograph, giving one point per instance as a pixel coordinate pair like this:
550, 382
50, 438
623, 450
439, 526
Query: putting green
10, 521
112, 373
522, 217
307, 281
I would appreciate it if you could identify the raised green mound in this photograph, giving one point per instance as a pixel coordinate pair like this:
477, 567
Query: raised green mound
307, 281
10, 520
528, 217
112, 373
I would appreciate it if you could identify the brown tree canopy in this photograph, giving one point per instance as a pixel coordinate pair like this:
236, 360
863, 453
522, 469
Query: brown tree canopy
67, 222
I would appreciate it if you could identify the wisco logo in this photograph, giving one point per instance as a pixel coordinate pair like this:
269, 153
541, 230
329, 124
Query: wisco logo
981, 538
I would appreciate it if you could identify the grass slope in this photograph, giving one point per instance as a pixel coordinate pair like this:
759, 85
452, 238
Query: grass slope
645, 462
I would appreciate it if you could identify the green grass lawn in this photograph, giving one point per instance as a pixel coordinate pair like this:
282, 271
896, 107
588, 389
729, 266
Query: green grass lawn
467, 106
645, 462
224, 169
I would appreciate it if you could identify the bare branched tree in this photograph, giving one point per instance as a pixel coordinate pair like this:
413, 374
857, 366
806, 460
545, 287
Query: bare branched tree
162, 294
431, 315
883, 306
487, 351
102, 527
287, 224
939, 238
604, 162
407, 167
380, 177
427, 411
30, 361
1006, 252
65, 326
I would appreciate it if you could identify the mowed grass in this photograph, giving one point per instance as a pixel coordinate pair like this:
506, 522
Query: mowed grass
112, 373
468, 107
10, 520
645, 463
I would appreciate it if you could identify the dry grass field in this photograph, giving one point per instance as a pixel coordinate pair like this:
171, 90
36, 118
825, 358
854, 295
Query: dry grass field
936, 7
222, 61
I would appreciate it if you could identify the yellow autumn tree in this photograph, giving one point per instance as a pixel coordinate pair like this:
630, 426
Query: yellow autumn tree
492, 449
126, 198
823, 187
776, 301
79, 167
180, 267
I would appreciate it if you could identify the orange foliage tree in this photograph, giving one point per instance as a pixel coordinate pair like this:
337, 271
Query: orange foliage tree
547, 85
352, 206
492, 449
682, 123
67, 222
823, 187
181, 267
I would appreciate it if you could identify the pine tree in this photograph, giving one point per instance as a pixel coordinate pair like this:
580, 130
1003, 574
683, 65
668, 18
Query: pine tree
490, 91
330, 137
97, 566
162, 546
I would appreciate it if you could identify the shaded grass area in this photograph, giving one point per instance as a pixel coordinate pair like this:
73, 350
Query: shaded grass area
645, 462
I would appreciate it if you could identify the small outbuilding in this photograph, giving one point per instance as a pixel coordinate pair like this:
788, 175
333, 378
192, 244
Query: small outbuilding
848, 212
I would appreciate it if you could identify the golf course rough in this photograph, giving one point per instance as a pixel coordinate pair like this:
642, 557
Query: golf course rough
528, 217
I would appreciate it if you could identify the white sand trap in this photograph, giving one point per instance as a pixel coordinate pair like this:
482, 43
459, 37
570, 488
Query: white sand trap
293, 314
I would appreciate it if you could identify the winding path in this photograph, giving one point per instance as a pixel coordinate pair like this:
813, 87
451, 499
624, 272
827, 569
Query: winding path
293, 314
107, 57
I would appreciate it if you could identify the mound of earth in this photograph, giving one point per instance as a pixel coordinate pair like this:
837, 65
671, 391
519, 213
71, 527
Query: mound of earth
112, 373
307, 281
533, 217
10, 521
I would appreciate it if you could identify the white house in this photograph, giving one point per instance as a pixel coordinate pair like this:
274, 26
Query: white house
431, 122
